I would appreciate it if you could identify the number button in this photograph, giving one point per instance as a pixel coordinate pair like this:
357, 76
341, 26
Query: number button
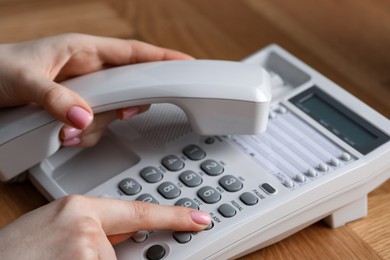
186, 202
147, 198
129, 186
212, 167
190, 178
230, 183
173, 163
209, 195
194, 152
151, 174
169, 190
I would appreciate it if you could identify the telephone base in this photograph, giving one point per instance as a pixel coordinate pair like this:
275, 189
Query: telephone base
348, 213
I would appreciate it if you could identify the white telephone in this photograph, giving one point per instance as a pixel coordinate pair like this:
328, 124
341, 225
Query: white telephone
323, 150
219, 97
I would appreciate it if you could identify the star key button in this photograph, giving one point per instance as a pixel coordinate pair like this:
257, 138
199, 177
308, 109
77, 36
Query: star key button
129, 186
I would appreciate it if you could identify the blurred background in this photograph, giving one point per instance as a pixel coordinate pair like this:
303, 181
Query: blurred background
346, 40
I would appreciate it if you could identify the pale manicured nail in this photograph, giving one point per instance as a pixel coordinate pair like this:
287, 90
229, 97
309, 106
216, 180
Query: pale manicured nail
129, 112
200, 217
79, 116
72, 142
70, 132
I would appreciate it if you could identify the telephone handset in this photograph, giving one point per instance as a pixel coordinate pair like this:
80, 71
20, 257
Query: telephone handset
218, 97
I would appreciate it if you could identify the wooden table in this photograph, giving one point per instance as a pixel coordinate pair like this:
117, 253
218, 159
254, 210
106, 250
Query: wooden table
348, 41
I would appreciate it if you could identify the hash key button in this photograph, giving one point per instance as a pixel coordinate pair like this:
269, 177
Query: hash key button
129, 186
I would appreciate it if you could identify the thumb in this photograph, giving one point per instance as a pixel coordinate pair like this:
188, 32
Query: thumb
62, 103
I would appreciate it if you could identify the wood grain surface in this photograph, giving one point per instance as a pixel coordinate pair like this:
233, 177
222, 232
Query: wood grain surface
346, 40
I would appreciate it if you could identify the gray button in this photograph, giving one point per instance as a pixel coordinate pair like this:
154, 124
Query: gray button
194, 152
209, 195
155, 252
249, 198
173, 163
169, 190
212, 167
151, 174
230, 183
147, 198
227, 210
300, 177
140, 236
186, 202
129, 186
190, 178
334, 162
268, 188
311, 172
346, 157
182, 237
288, 183
323, 167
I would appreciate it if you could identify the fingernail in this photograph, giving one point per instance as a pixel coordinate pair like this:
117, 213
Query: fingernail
200, 217
69, 132
129, 112
79, 116
72, 142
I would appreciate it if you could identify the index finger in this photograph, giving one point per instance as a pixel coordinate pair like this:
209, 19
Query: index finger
118, 217
120, 52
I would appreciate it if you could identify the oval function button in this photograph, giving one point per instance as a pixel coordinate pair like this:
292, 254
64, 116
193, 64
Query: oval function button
300, 177
155, 252
346, 157
311, 172
227, 210
140, 236
249, 199
182, 237
323, 167
334, 162
288, 183
268, 188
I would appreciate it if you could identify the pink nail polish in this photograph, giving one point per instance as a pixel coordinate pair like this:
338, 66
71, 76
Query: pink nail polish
129, 112
69, 132
200, 217
72, 142
79, 116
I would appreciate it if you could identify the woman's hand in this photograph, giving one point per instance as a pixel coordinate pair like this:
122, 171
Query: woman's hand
79, 227
30, 72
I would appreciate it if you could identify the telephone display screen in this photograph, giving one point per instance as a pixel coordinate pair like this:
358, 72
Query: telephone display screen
340, 120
